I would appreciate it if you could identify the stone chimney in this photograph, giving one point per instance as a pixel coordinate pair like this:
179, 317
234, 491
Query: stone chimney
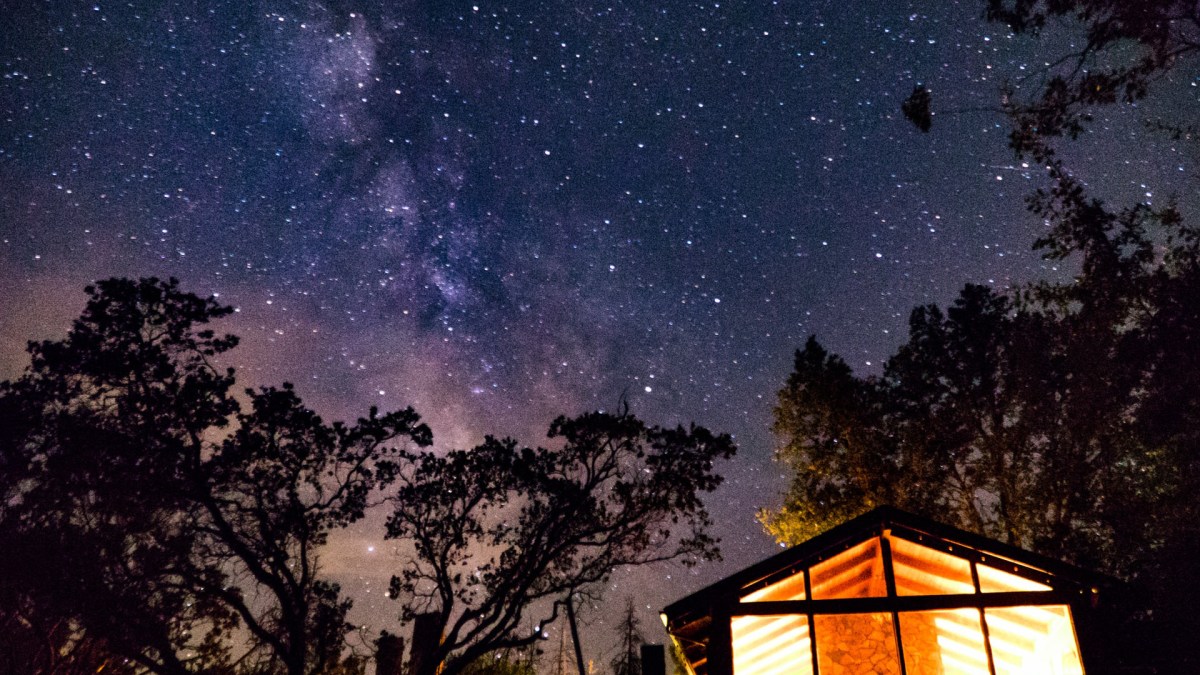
654, 660
426, 637
389, 654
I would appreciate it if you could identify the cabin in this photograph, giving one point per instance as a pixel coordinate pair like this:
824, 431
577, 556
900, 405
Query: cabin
891, 593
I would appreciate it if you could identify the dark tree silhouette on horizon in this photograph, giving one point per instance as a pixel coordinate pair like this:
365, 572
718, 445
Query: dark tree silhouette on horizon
628, 660
153, 522
155, 516
1126, 49
1059, 416
504, 535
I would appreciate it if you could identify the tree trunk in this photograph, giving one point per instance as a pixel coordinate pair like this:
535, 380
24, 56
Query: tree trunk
575, 635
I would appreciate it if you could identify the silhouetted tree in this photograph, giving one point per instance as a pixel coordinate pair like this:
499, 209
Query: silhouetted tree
1126, 48
156, 515
916, 108
505, 662
628, 660
502, 531
1059, 418
1100, 460
32, 643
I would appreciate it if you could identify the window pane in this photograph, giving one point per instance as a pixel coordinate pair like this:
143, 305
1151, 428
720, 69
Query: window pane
855, 573
921, 570
791, 588
946, 642
771, 645
992, 580
856, 644
1033, 641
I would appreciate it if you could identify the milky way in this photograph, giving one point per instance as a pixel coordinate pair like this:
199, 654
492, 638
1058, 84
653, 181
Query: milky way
498, 213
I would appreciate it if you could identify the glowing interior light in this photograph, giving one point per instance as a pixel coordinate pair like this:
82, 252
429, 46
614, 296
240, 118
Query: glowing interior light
1026, 640
856, 573
1033, 640
921, 570
791, 588
953, 666
992, 580
771, 645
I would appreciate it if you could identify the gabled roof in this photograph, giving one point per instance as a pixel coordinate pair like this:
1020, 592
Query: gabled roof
871, 524
689, 620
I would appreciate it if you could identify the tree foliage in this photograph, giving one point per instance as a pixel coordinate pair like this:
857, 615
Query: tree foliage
1061, 418
503, 535
154, 522
159, 516
33, 642
1127, 47
916, 108
628, 660
504, 662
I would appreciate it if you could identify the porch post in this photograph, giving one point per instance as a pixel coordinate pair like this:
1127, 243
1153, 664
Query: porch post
720, 640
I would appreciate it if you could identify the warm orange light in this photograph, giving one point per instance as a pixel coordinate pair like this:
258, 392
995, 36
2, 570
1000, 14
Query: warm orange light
945, 642
771, 645
791, 588
856, 644
992, 580
921, 570
1035, 640
855, 573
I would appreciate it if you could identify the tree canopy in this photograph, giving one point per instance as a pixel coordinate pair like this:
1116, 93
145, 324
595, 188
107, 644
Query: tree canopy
152, 515
628, 660
152, 521
1060, 416
504, 535
1127, 47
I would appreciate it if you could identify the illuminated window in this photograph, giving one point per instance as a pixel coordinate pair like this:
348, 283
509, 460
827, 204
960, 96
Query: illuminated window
1033, 641
886, 598
791, 588
992, 580
771, 645
856, 573
921, 570
856, 643
945, 642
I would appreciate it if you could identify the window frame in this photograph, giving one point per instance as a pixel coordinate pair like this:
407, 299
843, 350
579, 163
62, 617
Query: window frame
893, 603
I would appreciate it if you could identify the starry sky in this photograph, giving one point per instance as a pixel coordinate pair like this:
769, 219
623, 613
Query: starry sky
497, 212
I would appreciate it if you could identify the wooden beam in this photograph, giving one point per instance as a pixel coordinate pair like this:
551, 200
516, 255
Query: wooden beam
902, 603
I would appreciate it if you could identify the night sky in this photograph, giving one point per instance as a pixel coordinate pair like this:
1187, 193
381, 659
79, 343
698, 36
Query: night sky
501, 212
